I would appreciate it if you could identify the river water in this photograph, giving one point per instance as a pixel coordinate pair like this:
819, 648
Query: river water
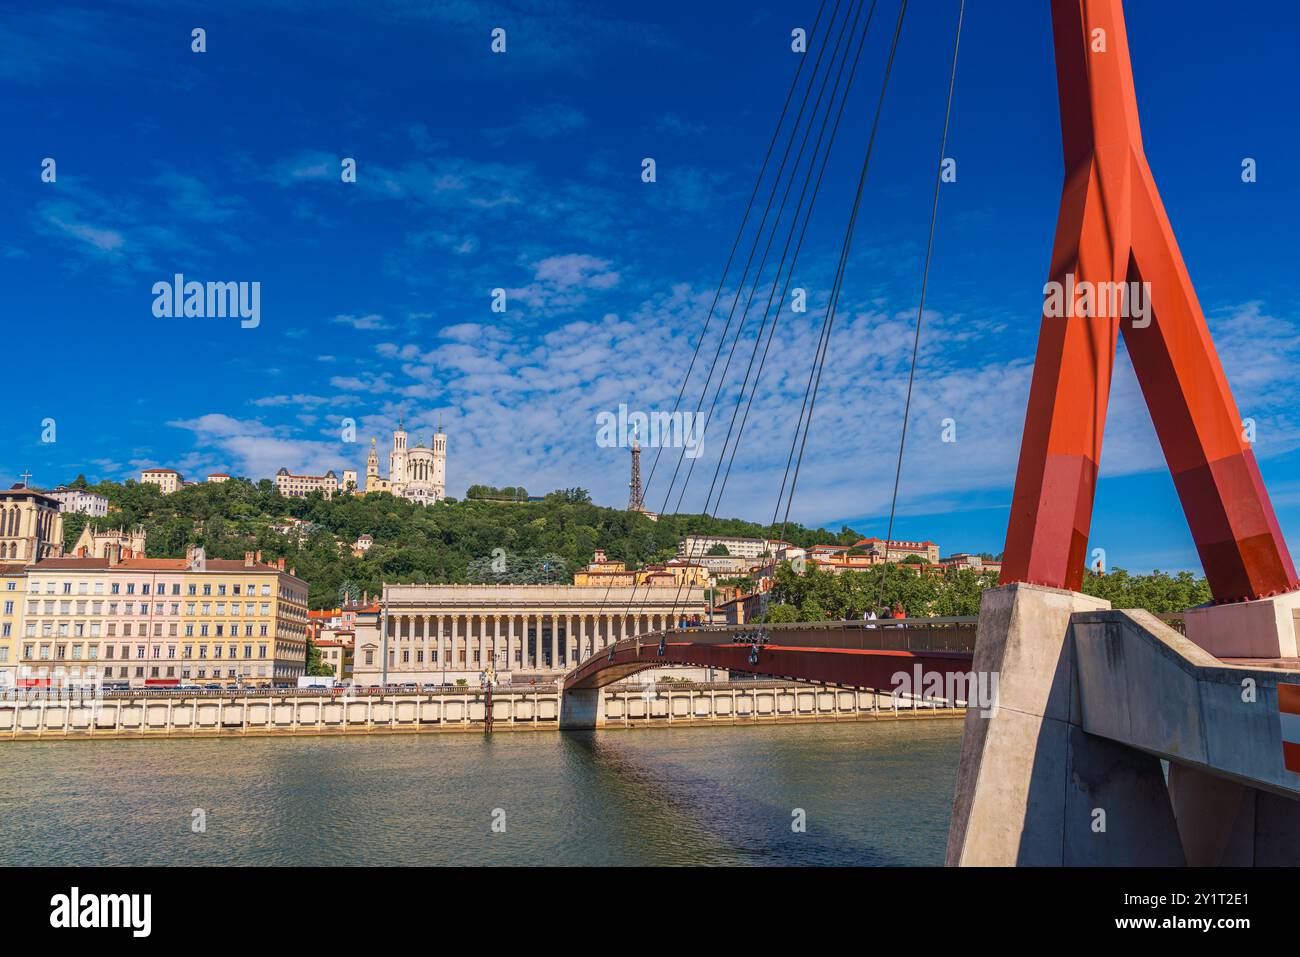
875, 794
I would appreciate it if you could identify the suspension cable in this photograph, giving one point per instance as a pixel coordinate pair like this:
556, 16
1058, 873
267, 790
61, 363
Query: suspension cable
749, 208
829, 321
784, 289
767, 250
776, 280
840, 42
920, 309
754, 246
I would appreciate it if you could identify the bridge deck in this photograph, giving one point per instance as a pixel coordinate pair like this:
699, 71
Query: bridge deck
852, 654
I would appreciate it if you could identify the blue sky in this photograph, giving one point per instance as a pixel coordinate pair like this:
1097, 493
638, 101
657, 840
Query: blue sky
522, 171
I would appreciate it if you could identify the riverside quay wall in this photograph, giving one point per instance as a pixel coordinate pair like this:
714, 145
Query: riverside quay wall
513, 709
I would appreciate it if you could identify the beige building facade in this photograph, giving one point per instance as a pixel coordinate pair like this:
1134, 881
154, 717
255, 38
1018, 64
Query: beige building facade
164, 622
167, 480
439, 634
300, 486
31, 526
13, 583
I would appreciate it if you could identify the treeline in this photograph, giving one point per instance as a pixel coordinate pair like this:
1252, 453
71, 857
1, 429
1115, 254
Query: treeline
819, 595
509, 493
451, 542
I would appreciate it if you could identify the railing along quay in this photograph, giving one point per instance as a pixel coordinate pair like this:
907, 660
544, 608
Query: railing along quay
955, 634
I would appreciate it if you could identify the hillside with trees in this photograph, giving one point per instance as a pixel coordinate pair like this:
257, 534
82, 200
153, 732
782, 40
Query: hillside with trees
451, 542
524, 542
818, 595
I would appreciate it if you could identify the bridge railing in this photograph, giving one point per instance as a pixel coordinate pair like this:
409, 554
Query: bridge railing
955, 634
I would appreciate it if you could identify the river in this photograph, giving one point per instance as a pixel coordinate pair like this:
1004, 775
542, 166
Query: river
869, 794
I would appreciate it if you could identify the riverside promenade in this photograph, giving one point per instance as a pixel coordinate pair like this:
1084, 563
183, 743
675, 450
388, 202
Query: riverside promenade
453, 709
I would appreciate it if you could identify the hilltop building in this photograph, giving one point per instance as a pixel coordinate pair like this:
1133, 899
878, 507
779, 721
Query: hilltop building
300, 486
80, 500
416, 473
167, 480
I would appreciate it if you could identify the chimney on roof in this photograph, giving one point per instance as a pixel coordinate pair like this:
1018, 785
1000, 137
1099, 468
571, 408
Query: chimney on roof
248, 559
257, 556
280, 564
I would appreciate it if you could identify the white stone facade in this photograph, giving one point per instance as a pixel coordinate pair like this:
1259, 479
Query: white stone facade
443, 633
80, 500
416, 473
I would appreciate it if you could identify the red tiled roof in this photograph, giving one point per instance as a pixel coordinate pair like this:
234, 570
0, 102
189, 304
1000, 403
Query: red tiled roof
237, 565
155, 564
894, 543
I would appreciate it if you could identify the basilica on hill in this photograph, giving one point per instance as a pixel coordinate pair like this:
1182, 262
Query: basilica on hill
416, 473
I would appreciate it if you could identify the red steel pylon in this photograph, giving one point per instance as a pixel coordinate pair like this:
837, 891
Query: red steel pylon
1112, 229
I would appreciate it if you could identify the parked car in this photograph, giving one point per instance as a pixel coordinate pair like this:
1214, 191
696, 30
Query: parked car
212, 687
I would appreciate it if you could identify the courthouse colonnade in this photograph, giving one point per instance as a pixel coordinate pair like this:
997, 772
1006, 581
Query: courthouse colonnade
442, 633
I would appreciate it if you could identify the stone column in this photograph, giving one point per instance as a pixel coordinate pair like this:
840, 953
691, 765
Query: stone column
555, 642
510, 642
583, 650
428, 628
455, 634
528, 627
442, 648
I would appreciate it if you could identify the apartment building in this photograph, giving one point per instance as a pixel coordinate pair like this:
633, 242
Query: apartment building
144, 622
13, 581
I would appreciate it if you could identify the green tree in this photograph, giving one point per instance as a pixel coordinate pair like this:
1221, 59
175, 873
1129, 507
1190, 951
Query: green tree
315, 666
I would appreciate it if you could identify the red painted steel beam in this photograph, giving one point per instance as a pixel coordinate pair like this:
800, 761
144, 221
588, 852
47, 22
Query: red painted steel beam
1112, 228
853, 668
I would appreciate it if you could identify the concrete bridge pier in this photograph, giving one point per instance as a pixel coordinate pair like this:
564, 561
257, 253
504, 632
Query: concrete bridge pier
1033, 788
581, 709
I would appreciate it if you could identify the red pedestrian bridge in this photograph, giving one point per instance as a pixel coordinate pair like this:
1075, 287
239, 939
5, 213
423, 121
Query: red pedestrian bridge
850, 654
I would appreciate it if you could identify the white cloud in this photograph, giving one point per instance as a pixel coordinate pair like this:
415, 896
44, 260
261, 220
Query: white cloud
257, 450
366, 323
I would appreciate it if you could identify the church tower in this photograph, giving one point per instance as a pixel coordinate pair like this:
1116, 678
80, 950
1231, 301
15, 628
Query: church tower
439, 445
397, 459
372, 468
